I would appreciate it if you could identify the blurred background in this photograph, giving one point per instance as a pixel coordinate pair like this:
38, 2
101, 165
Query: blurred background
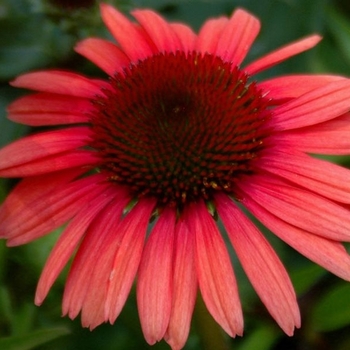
39, 34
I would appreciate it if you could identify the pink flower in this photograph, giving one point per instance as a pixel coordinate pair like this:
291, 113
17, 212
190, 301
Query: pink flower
180, 136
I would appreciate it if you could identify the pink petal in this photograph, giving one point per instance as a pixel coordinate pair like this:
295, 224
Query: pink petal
38, 146
44, 214
293, 86
327, 253
237, 37
49, 109
160, 32
128, 255
299, 207
207, 40
215, 274
126, 33
282, 54
41, 119
325, 178
49, 164
59, 82
184, 287
325, 103
104, 54
30, 189
88, 276
46, 102
93, 309
330, 137
154, 289
68, 242
186, 36
261, 264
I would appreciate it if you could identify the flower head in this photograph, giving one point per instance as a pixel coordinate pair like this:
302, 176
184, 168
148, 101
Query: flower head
182, 136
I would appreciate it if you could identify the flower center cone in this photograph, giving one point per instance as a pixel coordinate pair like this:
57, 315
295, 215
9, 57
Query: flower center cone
179, 126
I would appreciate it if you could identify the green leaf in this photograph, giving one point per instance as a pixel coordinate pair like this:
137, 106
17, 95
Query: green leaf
5, 300
305, 277
22, 319
333, 310
334, 50
261, 339
32, 340
340, 28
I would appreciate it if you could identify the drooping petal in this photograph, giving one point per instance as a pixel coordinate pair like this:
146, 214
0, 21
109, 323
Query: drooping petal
237, 37
261, 264
282, 54
154, 290
161, 33
316, 106
104, 54
215, 273
59, 82
49, 109
207, 40
128, 255
186, 36
324, 252
68, 242
126, 34
299, 207
287, 87
184, 286
44, 214
29, 190
88, 277
325, 178
93, 308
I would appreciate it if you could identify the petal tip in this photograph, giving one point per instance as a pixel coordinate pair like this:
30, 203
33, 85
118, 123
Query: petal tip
16, 82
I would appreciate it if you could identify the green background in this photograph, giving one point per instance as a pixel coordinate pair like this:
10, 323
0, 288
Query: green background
37, 34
